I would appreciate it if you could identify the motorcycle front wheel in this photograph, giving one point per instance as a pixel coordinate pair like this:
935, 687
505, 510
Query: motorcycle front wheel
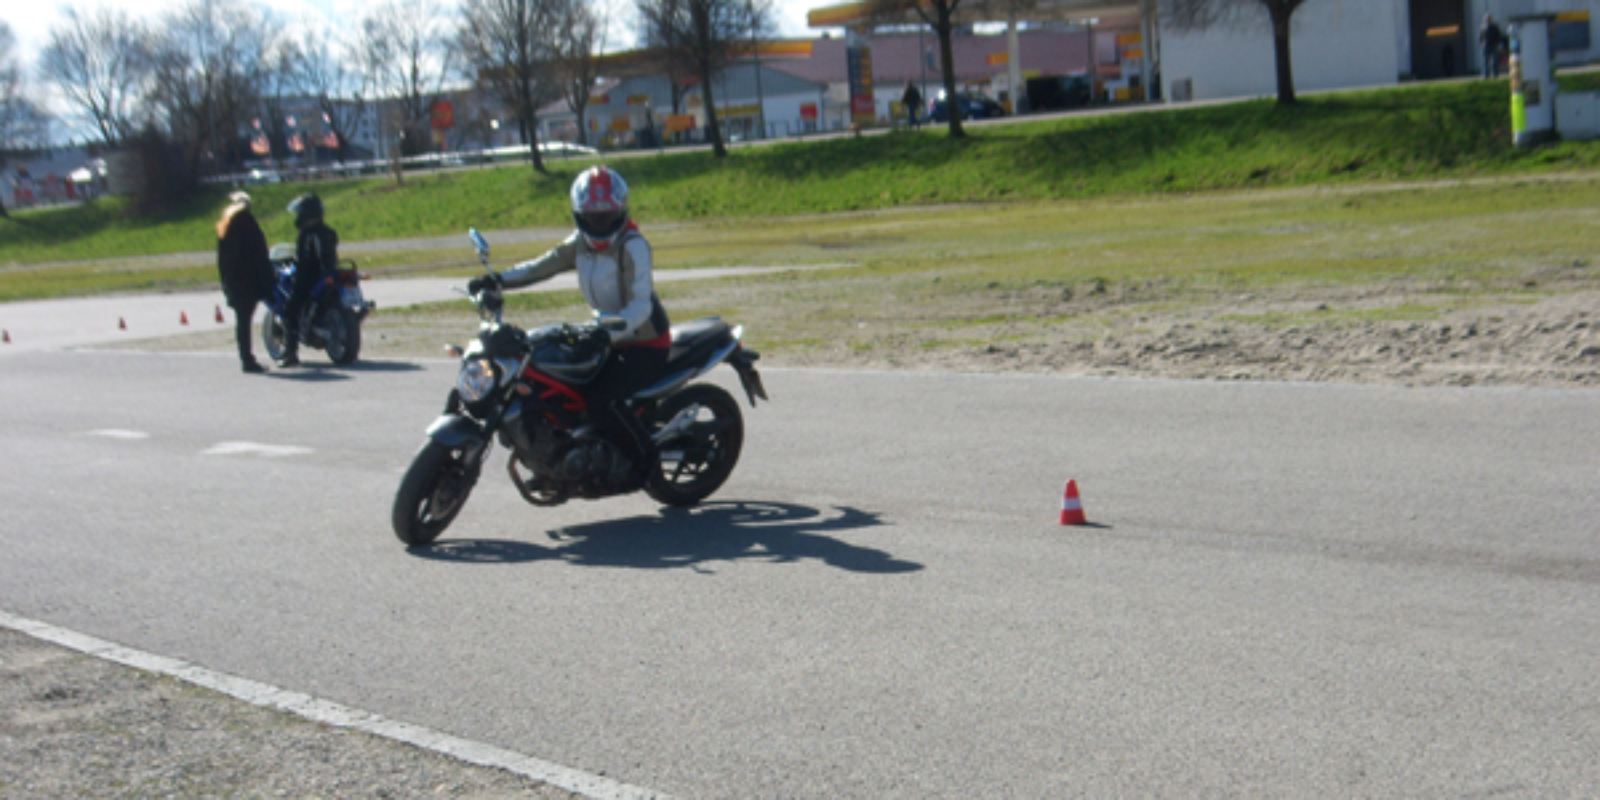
698, 462
344, 334
272, 336
431, 494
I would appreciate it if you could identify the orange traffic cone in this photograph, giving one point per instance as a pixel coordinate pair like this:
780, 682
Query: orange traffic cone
219, 314
1071, 506
122, 324
183, 318
6, 335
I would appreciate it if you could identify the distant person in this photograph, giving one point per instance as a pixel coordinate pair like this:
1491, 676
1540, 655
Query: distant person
316, 256
245, 268
1491, 39
912, 100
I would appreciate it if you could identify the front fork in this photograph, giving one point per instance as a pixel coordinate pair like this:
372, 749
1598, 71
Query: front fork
458, 432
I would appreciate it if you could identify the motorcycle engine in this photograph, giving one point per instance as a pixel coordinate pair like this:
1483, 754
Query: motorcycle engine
580, 460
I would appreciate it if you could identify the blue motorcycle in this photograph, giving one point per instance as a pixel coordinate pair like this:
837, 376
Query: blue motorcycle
330, 321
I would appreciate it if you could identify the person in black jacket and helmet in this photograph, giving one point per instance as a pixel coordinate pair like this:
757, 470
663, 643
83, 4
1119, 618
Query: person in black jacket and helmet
316, 257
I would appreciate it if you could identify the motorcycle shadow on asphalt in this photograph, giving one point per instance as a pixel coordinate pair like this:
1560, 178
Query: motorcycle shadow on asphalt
778, 533
312, 373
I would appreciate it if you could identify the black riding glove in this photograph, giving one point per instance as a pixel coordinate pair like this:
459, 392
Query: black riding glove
486, 281
589, 341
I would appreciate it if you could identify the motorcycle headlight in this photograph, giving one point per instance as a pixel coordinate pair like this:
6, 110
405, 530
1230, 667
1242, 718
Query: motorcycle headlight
476, 380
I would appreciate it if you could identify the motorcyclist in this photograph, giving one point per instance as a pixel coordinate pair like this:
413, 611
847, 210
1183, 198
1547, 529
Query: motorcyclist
612, 260
316, 257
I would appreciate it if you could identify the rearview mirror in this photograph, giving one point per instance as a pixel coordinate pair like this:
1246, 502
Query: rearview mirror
480, 244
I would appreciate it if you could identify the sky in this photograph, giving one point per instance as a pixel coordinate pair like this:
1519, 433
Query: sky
31, 21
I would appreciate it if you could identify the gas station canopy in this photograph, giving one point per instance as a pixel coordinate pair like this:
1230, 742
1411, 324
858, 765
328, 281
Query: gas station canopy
881, 12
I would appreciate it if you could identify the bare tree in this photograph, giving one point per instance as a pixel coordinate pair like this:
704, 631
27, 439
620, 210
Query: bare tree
708, 35
209, 68
405, 48
510, 45
278, 85
1204, 14
23, 123
578, 50
940, 16
324, 72
673, 62
100, 61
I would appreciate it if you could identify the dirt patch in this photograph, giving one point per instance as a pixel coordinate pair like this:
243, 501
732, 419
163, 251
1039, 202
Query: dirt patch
1544, 341
1541, 331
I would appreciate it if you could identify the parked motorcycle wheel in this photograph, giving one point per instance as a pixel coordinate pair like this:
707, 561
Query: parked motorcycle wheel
431, 494
272, 336
344, 334
698, 463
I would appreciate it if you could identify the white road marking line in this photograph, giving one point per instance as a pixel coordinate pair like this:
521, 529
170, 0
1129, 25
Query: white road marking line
117, 433
265, 696
255, 448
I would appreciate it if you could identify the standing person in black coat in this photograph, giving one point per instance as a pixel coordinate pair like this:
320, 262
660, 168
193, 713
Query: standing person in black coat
316, 256
245, 269
912, 100
1490, 40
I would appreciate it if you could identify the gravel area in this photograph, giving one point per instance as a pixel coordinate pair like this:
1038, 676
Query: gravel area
72, 725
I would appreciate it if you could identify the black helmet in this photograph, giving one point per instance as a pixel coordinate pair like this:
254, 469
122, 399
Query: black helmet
306, 208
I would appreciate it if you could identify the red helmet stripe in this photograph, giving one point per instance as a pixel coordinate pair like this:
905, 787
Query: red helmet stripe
600, 187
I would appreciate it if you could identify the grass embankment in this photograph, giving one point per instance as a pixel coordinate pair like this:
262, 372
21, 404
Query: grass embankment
1421, 132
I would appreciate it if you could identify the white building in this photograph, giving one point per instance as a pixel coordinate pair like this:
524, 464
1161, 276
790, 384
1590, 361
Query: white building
1342, 44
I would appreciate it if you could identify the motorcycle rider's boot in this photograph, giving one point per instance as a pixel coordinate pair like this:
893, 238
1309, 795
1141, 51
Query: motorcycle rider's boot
254, 367
291, 348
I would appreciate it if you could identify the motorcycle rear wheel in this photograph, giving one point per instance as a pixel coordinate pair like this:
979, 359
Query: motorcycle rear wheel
696, 464
344, 334
272, 336
431, 494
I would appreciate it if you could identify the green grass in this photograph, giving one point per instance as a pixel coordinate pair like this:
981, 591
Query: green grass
1422, 132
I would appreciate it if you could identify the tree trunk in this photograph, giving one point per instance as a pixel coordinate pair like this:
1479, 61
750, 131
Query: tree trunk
712, 127
952, 105
530, 126
1281, 13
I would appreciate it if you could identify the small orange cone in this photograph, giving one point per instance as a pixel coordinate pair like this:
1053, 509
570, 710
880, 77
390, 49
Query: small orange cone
183, 318
219, 314
1071, 506
7, 336
122, 324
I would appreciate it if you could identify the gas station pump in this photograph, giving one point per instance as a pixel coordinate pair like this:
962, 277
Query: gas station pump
1533, 81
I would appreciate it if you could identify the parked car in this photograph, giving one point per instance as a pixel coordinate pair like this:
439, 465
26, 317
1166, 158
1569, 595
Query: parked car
562, 149
259, 176
1059, 91
970, 106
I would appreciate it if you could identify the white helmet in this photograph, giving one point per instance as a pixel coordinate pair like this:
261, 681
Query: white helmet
600, 205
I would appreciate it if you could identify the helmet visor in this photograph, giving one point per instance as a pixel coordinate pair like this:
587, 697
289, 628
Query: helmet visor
600, 224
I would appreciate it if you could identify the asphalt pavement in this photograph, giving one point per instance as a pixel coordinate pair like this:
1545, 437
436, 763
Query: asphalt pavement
77, 322
1285, 589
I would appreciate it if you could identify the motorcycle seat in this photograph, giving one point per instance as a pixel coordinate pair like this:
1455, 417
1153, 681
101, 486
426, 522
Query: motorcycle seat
694, 341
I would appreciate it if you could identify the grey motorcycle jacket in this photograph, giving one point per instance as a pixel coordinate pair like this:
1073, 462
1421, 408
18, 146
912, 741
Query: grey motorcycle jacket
614, 281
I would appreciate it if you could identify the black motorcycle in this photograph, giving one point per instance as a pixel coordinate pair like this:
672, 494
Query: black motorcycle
330, 320
526, 389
